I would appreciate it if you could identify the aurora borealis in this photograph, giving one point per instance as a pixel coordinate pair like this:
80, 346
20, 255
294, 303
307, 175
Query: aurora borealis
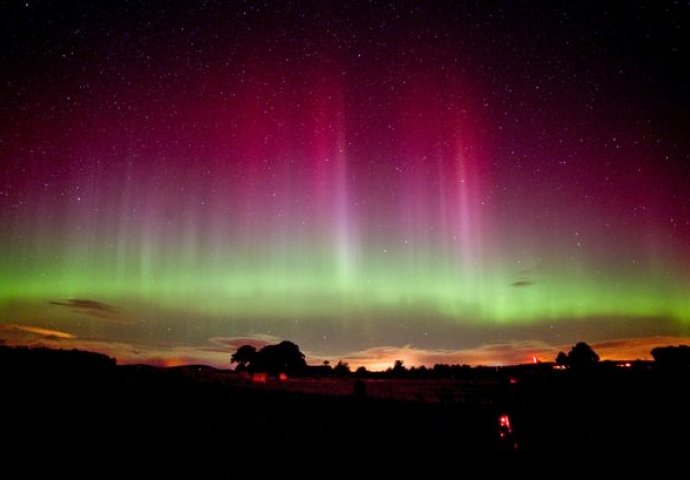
433, 178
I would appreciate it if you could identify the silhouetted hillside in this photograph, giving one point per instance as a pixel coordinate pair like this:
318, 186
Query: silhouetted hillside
198, 422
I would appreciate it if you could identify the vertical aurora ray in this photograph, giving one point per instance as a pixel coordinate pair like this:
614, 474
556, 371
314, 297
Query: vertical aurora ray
345, 236
328, 154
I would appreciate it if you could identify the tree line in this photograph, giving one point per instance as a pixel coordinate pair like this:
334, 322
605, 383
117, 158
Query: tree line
286, 357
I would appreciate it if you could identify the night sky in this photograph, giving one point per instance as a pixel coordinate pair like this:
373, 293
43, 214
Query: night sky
461, 182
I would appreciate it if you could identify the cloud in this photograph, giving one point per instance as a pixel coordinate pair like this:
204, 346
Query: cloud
380, 358
95, 309
215, 351
84, 304
635, 348
523, 278
13, 333
233, 343
511, 353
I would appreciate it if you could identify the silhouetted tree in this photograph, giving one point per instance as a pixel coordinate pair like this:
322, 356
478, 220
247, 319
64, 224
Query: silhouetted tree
582, 356
361, 371
283, 357
341, 369
562, 359
672, 357
243, 357
398, 369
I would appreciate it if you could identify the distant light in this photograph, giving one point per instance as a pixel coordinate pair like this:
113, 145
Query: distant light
504, 423
534, 359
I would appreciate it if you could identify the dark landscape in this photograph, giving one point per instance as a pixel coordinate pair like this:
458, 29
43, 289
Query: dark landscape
82, 415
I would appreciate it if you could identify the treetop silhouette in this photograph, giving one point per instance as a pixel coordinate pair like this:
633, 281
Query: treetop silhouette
285, 357
581, 355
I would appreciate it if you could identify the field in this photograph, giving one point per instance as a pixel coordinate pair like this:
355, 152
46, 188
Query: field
91, 419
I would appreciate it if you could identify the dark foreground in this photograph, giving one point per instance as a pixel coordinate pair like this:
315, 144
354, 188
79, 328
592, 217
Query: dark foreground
80, 416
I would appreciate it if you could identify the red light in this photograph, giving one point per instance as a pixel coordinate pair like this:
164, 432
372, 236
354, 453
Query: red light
505, 432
